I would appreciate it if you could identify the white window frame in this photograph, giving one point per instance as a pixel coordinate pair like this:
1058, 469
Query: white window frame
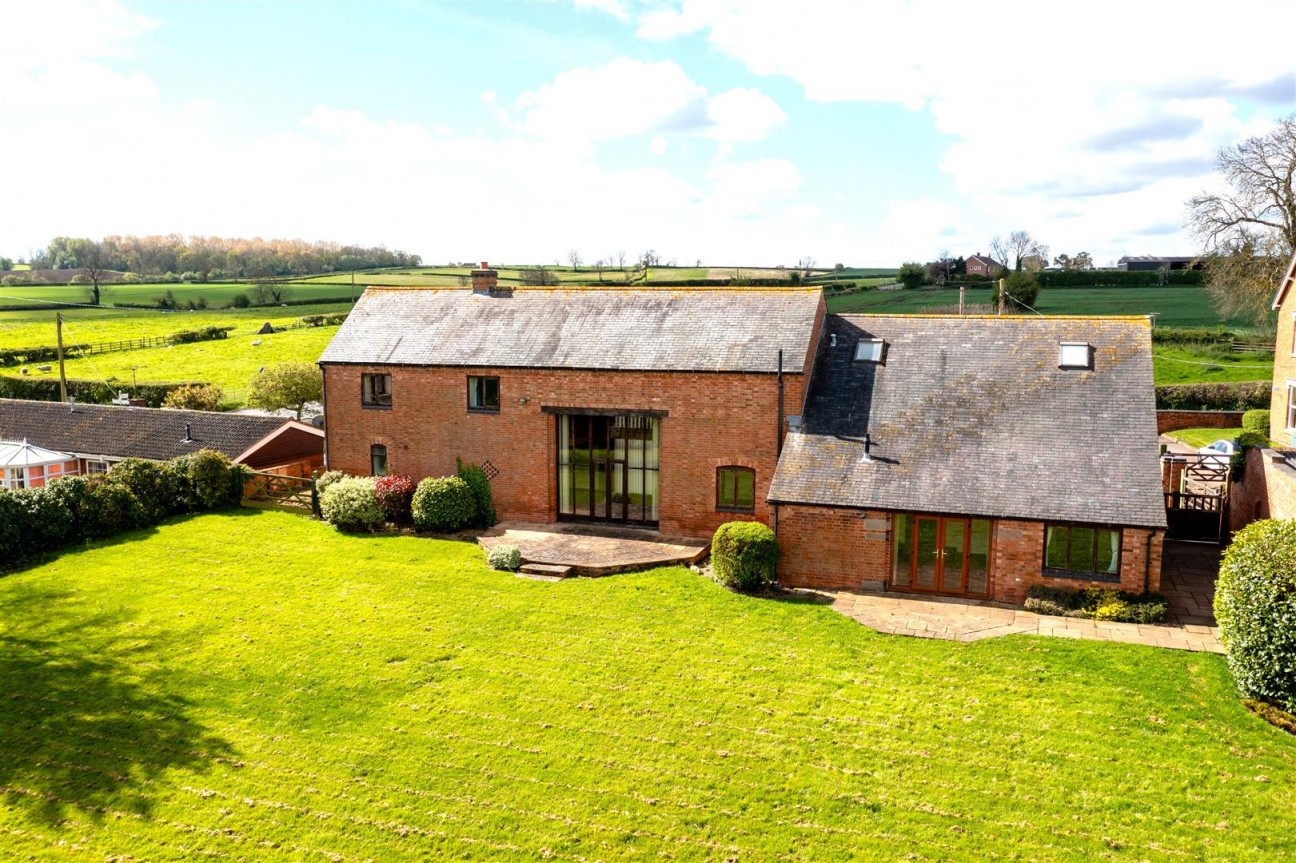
1291, 406
1067, 358
94, 466
15, 478
870, 351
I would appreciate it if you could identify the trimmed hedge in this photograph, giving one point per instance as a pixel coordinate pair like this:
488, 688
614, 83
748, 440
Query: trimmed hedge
204, 334
395, 495
1256, 422
1121, 278
481, 490
70, 510
444, 504
1238, 396
1255, 605
744, 555
1097, 603
87, 392
351, 505
18, 356
327, 320
1191, 335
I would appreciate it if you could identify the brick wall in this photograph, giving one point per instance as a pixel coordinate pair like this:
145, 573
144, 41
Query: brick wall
1284, 370
828, 548
1175, 420
1267, 489
713, 420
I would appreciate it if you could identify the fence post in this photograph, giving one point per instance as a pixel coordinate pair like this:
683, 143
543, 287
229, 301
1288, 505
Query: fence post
315, 507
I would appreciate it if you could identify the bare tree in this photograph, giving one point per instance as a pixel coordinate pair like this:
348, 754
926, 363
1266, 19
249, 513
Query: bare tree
620, 259
806, 265
598, 267
574, 258
268, 291
1249, 230
538, 276
1019, 245
649, 259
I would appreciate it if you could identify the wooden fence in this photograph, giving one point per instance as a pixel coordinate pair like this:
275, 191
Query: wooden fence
276, 491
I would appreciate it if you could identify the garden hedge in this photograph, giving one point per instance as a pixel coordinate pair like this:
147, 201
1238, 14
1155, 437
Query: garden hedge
1255, 606
1097, 603
87, 392
444, 504
1243, 396
395, 494
351, 505
744, 555
480, 485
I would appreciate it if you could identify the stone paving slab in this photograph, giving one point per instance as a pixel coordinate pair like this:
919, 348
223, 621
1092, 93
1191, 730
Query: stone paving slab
1187, 575
594, 550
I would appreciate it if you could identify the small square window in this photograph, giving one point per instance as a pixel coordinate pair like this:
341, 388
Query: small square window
483, 394
375, 391
735, 489
869, 350
1075, 355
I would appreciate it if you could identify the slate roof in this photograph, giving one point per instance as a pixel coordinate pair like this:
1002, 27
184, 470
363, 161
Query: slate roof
972, 416
121, 432
710, 330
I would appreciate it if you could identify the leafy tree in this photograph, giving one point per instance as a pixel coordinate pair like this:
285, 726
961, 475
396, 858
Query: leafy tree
94, 259
287, 385
1082, 261
912, 274
1249, 230
6, 263
1021, 289
195, 397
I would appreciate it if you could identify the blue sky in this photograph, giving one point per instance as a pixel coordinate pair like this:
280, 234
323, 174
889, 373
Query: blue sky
727, 132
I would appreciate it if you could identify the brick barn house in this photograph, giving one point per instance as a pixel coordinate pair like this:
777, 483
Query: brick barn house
980, 265
969, 456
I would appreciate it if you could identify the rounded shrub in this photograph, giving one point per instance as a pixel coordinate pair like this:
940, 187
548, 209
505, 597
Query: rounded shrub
1256, 422
210, 481
744, 554
158, 490
1255, 605
351, 505
395, 495
443, 503
327, 478
108, 508
505, 557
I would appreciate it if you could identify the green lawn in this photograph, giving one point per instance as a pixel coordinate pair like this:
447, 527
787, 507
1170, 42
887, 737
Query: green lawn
1176, 364
217, 294
255, 686
1201, 437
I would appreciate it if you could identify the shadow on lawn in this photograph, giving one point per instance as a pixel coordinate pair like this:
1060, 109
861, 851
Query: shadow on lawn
85, 722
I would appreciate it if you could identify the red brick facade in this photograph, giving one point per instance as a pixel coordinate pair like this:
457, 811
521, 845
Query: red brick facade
851, 549
711, 420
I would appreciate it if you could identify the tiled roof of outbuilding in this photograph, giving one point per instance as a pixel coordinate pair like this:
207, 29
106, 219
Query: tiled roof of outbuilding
708, 330
973, 416
122, 432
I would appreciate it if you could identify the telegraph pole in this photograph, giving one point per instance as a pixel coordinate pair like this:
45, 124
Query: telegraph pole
1001, 297
58, 317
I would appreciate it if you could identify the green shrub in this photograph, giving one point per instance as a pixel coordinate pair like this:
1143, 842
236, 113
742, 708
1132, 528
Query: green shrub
351, 505
159, 490
195, 397
1256, 422
107, 508
443, 503
1021, 290
480, 485
327, 478
209, 481
912, 274
395, 494
1255, 605
1097, 603
1222, 396
50, 525
506, 558
240, 301
744, 555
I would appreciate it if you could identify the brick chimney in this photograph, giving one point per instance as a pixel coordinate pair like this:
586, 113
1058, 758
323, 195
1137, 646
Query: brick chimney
485, 280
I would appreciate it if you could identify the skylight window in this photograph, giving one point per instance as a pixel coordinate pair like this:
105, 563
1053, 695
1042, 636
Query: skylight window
1075, 355
869, 350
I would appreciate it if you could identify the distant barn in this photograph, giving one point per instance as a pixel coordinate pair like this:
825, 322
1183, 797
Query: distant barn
1155, 262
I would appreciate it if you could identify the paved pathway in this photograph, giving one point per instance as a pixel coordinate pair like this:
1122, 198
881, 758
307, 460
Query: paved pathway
593, 549
1187, 579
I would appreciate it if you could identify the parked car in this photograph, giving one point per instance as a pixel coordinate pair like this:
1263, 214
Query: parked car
1220, 451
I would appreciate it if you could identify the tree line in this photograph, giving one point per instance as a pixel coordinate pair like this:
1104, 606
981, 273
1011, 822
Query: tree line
214, 258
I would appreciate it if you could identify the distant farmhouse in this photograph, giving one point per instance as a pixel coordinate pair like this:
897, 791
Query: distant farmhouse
980, 265
1154, 262
967, 456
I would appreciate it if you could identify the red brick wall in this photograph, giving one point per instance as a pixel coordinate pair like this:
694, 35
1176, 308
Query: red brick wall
1175, 420
713, 420
827, 548
1284, 370
1266, 490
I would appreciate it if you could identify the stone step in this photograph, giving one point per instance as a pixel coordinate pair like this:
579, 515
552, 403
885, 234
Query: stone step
544, 571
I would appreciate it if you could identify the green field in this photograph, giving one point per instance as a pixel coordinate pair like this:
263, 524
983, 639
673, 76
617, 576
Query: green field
256, 686
1201, 437
216, 294
1179, 364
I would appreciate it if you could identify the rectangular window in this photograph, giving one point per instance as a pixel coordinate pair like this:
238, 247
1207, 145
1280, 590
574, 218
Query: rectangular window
1075, 355
483, 394
97, 466
1082, 551
375, 391
1291, 407
15, 478
735, 489
378, 460
869, 350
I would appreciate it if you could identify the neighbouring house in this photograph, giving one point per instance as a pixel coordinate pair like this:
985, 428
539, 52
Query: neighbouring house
1134, 263
957, 455
1268, 487
25, 465
980, 265
97, 436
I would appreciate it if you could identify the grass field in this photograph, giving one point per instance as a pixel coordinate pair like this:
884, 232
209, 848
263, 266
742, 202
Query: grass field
217, 295
1182, 365
262, 688
1201, 437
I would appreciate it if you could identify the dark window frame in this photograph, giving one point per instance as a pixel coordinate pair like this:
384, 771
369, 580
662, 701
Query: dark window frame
1091, 574
373, 452
364, 391
735, 469
486, 408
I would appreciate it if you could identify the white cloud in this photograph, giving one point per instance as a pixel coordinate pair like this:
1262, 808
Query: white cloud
743, 115
1116, 98
659, 145
615, 8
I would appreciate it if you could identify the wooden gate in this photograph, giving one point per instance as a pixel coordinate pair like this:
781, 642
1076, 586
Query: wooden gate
276, 491
1197, 516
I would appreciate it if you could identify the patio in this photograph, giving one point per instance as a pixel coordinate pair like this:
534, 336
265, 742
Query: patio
1187, 578
555, 551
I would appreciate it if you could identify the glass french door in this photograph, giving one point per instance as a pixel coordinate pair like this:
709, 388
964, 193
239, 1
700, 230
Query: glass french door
608, 468
935, 554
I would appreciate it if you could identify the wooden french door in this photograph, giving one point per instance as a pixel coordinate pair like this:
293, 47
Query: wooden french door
936, 554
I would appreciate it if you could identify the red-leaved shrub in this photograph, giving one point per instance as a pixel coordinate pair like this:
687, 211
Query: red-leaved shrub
394, 495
